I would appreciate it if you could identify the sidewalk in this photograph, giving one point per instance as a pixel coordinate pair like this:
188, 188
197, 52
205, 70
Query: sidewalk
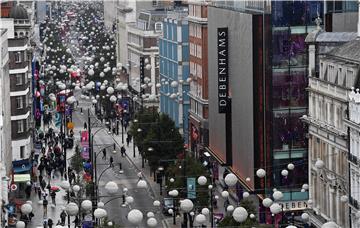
137, 161
53, 211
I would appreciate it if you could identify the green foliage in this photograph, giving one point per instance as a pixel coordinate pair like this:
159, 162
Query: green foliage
77, 160
194, 168
229, 221
158, 132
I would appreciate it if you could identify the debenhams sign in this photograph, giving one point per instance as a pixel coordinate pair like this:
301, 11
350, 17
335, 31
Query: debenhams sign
223, 75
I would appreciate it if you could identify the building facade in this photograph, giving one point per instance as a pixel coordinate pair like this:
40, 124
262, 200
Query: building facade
143, 43
328, 137
20, 83
267, 62
199, 104
353, 123
174, 70
5, 123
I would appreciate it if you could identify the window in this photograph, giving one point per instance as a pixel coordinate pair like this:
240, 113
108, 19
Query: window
198, 31
20, 126
192, 49
18, 57
19, 79
197, 11
155, 3
199, 70
191, 10
192, 29
22, 151
198, 51
19, 102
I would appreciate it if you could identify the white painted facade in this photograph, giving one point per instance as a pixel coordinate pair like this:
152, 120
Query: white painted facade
328, 97
5, 123
353, 122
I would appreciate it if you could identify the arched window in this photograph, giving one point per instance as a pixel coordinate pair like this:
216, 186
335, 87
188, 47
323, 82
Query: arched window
16, 35
21, 34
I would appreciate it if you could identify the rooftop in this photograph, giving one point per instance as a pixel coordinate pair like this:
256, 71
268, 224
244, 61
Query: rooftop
19, 12
349, 51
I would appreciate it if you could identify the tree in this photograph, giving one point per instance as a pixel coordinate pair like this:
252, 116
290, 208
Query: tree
77, 160
194, 168
165, 140
229, 221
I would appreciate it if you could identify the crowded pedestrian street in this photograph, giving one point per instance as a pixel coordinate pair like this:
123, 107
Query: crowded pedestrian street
194, 113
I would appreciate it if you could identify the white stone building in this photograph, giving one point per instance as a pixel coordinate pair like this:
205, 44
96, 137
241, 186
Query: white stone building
328, 148
5, 122
353, 122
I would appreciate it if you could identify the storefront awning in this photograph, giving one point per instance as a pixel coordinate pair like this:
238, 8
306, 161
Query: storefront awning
22, 166
21, 177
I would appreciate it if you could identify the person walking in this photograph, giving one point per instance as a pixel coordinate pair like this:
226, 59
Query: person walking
127, 141
63, 217
123, 150
53, 197
50, 223
45, 203
111, 161
104, 154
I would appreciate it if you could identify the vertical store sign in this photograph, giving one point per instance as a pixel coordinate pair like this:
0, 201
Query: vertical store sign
223, 75
142, 74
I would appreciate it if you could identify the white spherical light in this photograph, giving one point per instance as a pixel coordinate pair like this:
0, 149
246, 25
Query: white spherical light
291, 226
102, 74
330, 225
110, 90
170, 211
284, 172
205, 211
277, 195
100, 213
172, 180
86, 205
150, 214
230, 208
344, 198
186, 205
100, 204
174, 84
135, 216
91, 72
65, 185
305, 216
113, 98
230, 179
26, 208
260, 173
76, 188
72, 209
111, 187
152, 222
319, 164
20, 224
305, 186
225, 194
252, 216
246, 194
290, 166
275, 208
201, 180
240, 214
141, 184
156, 203
267, 202
200, 219
129, 199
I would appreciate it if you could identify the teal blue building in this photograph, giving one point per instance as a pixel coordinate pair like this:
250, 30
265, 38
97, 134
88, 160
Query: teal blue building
174, 71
